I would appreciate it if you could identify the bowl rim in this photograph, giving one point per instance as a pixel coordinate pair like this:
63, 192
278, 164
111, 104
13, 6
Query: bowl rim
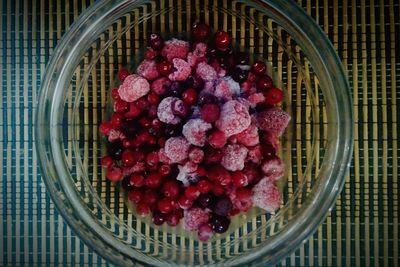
53, 166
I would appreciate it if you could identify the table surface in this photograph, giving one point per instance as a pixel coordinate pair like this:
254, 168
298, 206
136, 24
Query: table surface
362, 229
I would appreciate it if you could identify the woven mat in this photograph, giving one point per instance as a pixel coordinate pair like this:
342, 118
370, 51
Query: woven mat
361, 230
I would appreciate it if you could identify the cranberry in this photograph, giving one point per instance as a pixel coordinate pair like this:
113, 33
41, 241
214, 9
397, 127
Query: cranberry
239, 179
137, 180
222, 40
204, 186
143, 137
223, 206
252, 172
150, 196
114, 149
152, 158
150, 54
145, 122
184, 202
210, 112
116, 120
191, 192
135, 196
213, 156
221, 175
127, 143
153, 98
201, 171
106, 162
217, 139
173, 219
122, 74
243, 199
205, 200
152, 113
164, 67
171, 189
121, 106
273, 96
240, 75
133, 112
105, 128
126, 184
179, 108
218, 189
142, 103
165, 205
158, 218
115, 94
205, 232
155, 41
165, 170
153, 180
189, 96
143, 209
259, 68
128, 158
114, 174
161, 141
200, 31
264, 83
219, 224
242, 58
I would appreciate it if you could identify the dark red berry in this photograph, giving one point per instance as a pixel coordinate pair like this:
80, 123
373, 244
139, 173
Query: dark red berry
189, 96
210, 112
259, 68
207, 99
122, 74
121, 106
135, 196
114, 174
150, 54
205, 200
155, 41
152, 158
239, 179
171, 189
204, 186
223, 206
142, 103
165, 205
217, 139
213, 156
268, 150
128, 158
200, 31
152, 113
153, 180
161, 141
153, 98
219, 224
143, 209
218, 189
150, 196
116, 120
133, 112
173, 219
165, 170
222, 40
184, 202
240, 75
201, 171
115, 94
264, 83
221, 175
191, 192
137, 180
158, 218
273, 96
106, 162
242, 58
164, 67
145, 122
105, 128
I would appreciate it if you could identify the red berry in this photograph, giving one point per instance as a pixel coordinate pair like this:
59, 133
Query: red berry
179, 108
156, 124
153, 98
152, 140
133, 112
184, 202
164, 67
204, 186
122, 74
221, 175
189, 96
205, 232
165, 170
273, 96
264, 83
239, 179
150, 54
196, 155
213, 156
191, 192
121, 106
210, 113
200, 31
158, 218
252, 172
243, 198
201, 171
153, 180
105, 128
143, 209
218, 189
155, 41
165, 205
259, 68
161, 141
115, 94
127, 143
152, 113
171, 189
142, 103
173, 219
135, 196
152, 158
106, 162
116, 120
137, 180
222, 40
114, 174
150, 197
128, 158
217, 139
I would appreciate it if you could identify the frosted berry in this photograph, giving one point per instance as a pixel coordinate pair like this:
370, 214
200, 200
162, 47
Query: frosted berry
173, 219
205, 232
179, 108
122, 74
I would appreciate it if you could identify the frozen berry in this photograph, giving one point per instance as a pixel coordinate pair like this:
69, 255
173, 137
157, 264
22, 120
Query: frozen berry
115, 149
106, 162
266, 195
150, 54
155, 41
273, 168
175, 48
213, 156
135, 196
165, 170
194, 218
205, 232
264, 83
243, 199
171, 189
158, 218
195, 131
115, 94
184, 202
105, 128
114, 174
194, 82
122, 74
200, 31
128, 158
220, 175
121, 106
222, 40
150, 196
206, 72
143, 209
153, 180
165, 205
137, 180
219, 224
152, 158
153, 99
273, 96
189, 96
205, 200
239, 179
173, 219
218, 189
191, 192
217, 139
234, 157
164, 67
133, 88
273, 120
160, 85
242, 58
148, 69
180, 108
196, 155
210, 113
258, 68
204, 186
164, 111
222, 207
207, 99
240, 75
177, 149
234, 118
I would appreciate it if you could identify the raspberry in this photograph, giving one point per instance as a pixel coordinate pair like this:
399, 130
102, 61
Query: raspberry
162, 156
234, 118
133, 88
256, 98
114, 174
273, 168
194, 218
177, 149
273, 120
198, 54
222, 90
196, 155
175, 48
182, 71
217, 139
254, 154
195, 131
248, 137
266, 195
220, 175
148, 69
234, 157
206, 72
165, 113
205, 232
160, 85
210, 113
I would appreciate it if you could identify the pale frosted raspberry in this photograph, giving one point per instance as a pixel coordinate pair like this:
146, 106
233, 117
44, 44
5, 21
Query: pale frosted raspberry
273, 120
256, 98
222, 90
138, 167
194, 218
164, 111
206, 72
205, 232
249, 137
198, 55
162, 156
190, 167
175, 48
195, 131
266, 195
234, 156
243, 202
220, 71
233, 85
182, 71
160, 85
133, 88
273, 168
196, 155
234, 118
208, 88
254, 154
148, 69
115, 135
177, 149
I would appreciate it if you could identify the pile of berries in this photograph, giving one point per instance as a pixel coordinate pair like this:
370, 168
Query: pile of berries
195, 133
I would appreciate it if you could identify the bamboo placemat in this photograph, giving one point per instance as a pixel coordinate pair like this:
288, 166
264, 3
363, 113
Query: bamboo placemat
361, 230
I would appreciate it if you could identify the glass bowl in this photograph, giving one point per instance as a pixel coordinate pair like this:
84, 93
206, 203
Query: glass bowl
73, 101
